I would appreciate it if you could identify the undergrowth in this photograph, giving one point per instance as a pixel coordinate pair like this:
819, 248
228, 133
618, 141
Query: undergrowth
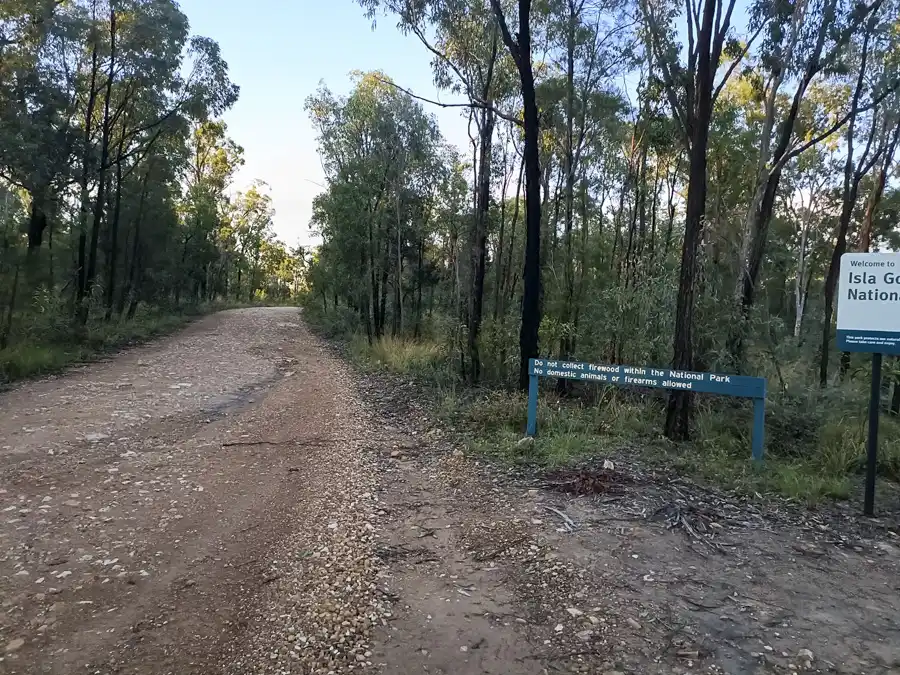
815, 440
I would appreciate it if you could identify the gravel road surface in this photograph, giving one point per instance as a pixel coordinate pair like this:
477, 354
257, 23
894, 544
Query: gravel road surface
234, 499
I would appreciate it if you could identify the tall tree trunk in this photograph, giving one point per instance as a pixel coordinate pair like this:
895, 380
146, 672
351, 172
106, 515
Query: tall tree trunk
853, 174
84, 194
800, 281
678, 410
129, 290
670, 208
865, 238
420, 279
106, 130
479, 243
508, 284
566, 341
520, 50
114, 242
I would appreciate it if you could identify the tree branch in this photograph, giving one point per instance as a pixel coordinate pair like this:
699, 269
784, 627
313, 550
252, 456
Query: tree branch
734, 64
668, 79
471, 104
508, 40
834, 127
446, 59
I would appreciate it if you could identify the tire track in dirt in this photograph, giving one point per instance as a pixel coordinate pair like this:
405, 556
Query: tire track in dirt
235, 499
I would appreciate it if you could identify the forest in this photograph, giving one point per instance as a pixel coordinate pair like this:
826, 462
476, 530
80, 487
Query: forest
117, 209
648, 182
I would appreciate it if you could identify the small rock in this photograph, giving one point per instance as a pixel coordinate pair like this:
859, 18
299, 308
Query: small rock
525, 443
608, 465
594, 620
14, 645
584, 634
884, 547
559, 628
574, 611
634, 624
805, 654
93, 438
395, 453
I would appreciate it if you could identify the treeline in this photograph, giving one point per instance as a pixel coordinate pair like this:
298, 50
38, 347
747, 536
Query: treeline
115, 171
648, 182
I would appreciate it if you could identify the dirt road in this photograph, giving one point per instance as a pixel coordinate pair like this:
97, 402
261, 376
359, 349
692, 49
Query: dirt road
232, 499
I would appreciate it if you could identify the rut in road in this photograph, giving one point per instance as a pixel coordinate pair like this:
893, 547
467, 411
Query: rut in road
234, 499
207, 504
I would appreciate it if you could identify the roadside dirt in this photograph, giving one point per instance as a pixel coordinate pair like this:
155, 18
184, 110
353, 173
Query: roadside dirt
234, 499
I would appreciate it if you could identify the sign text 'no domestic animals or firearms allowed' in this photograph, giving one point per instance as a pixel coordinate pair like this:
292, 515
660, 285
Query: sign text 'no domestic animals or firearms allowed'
655, 378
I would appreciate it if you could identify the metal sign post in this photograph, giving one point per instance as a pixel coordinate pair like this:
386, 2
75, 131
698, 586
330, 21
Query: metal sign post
868, 320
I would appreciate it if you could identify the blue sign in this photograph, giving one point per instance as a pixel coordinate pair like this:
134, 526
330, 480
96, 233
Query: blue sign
654, 378
874, 341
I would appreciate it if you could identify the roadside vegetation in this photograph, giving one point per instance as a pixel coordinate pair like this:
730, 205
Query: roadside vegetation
118, 217
815, 440
648, 183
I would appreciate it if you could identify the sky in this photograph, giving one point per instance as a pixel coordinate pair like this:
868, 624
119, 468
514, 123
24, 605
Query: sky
278, 52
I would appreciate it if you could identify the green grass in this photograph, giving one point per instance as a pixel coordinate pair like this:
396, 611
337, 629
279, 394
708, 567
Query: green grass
622, 426
815, 440
54, 344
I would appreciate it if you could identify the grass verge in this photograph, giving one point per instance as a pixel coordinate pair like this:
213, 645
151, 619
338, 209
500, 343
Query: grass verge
57, 344
815, 447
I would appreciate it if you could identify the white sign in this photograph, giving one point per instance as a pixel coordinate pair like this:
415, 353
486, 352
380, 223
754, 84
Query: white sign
868, 304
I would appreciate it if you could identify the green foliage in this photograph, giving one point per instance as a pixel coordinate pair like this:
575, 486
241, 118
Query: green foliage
49, 344
115, 181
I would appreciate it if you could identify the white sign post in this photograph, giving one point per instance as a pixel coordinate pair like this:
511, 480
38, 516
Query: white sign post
868, 320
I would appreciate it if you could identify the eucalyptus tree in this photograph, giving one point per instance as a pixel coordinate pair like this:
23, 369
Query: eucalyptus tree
520, 49
467, 59
378, 149
691, 91
805, 42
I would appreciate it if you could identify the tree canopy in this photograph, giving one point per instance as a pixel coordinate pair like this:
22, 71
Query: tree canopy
648, 182
116, 171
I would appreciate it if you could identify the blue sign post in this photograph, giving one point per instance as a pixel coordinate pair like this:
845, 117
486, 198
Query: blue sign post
655, 378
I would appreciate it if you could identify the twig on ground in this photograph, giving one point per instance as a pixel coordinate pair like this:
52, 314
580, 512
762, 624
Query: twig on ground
503, 549
567, 521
